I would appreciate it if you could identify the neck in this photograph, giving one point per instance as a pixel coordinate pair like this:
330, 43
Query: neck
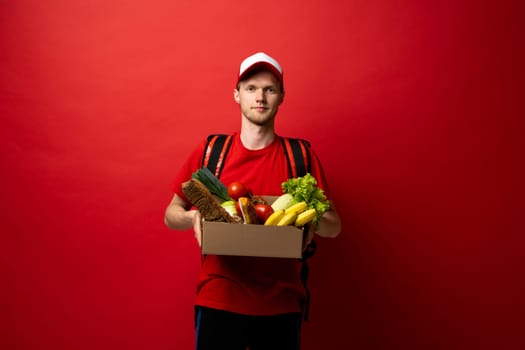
255, 137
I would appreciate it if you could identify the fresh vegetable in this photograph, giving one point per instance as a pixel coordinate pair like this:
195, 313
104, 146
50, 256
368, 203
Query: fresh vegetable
258, 199
237, 190
230, 207
212, 183
274, 219
238, 207
284, 201
305, 189
305, 217
263, 211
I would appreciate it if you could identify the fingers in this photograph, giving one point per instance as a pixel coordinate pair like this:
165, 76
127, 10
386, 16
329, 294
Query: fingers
197, 227
308, 236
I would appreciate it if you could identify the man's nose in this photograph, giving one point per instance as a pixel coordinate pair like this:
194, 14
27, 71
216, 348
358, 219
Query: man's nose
259, 95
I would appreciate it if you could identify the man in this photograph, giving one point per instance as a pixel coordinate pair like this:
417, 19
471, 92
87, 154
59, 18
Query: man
248, 301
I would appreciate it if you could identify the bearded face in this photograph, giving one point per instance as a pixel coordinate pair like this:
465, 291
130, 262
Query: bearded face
259, 97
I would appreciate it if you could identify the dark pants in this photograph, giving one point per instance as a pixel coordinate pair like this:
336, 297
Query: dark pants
219, 330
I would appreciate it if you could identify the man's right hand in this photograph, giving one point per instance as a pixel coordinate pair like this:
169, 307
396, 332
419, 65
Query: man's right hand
197, 226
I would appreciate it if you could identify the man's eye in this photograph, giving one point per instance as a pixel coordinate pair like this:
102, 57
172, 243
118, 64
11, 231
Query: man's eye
250, 88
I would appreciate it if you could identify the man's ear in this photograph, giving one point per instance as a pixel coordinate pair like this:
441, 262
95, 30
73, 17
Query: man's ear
236, 95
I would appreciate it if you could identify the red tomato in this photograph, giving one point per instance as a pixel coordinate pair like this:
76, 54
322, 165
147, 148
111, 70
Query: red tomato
259, 200
238, 207
263, 211
236, 190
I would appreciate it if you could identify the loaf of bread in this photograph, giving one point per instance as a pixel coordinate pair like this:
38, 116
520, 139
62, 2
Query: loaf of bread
205, 202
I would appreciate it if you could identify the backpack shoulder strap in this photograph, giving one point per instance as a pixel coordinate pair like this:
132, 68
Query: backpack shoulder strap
297, 153
215, 151
298, 157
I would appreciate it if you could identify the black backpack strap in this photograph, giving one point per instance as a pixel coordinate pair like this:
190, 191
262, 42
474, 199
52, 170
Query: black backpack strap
298, 157
307, 254
215, 151
297, 153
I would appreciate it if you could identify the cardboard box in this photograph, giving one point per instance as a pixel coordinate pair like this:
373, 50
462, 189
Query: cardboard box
222, 238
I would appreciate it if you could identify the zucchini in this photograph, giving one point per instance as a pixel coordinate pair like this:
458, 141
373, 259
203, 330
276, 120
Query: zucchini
212, 183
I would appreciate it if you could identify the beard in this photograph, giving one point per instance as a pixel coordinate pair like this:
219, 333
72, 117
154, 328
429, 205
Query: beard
260, 119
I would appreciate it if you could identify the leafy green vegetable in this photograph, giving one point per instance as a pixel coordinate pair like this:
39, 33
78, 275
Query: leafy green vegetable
212, 183
305, 189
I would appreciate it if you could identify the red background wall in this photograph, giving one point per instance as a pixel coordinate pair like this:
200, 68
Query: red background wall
414, 107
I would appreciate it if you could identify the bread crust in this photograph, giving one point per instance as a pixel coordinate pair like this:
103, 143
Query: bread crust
205, 202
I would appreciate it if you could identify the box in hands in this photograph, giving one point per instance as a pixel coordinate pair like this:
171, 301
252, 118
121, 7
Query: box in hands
223, 238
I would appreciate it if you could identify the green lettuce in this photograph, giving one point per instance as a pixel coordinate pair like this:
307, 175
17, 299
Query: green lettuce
305, 189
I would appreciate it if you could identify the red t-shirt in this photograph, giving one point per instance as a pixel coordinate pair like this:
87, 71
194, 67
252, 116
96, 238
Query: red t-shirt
250, 285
